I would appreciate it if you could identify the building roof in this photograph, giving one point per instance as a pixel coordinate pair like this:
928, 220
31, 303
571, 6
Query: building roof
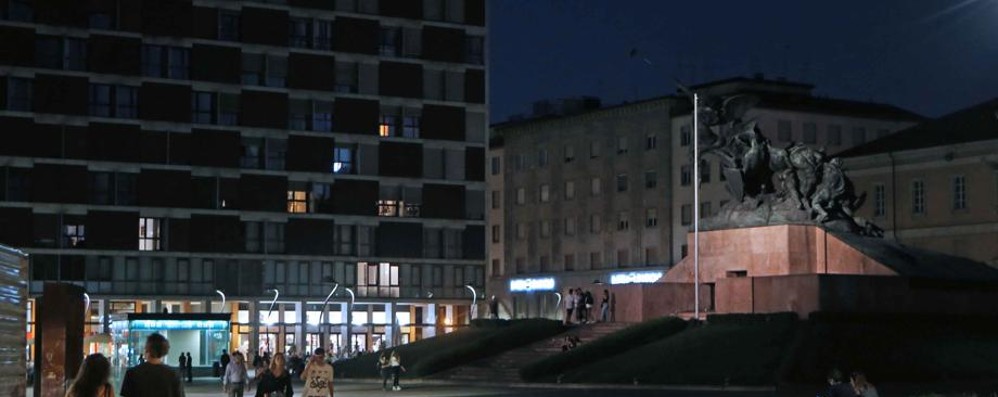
976, 123
919, 263
822, 105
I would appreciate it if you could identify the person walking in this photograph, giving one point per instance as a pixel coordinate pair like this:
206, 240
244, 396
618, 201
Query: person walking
588, 298
235, 377
494, 308
580, 306
92, 379
569, 306
318, 376
182, 365
275, 381
223, 361
190, 368
153, 378
395, 363
604, 307
383, 369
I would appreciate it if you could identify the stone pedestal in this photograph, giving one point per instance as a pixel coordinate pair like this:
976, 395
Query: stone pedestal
59, 323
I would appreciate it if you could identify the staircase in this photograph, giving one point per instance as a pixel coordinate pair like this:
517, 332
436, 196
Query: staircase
505, 367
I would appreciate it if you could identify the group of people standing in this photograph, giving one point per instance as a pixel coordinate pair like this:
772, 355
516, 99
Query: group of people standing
856, 386
579, 306
186, 365
153, 378
390, 366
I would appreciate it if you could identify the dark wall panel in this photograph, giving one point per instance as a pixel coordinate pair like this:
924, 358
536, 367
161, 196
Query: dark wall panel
318, 4
400, 79
474, 242
356, 116
443, 44
216, 233
474, 86
309, 153
113, 230
205, 23
114, 54
409, 9
310, 236
443, 122
400, 159
180, 148
164, 188
311, 71
154, 147
263, 109
179, 234
19, 46
356, 35
443, 201
58, 183
130, 19
355, 197
113, 142
60, 94
264, 26
219, 64
16, 227
60, 12
25, 138
263, 193
400, 240
165, 102
474, 164
474, 12
215, 148
167, 17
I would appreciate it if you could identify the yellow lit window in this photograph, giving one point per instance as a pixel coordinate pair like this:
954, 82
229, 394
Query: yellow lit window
384, 130
297, 201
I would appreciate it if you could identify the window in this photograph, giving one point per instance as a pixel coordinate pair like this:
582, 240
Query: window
685, 137
545, 229
959, 192
569, 190
149, 234
879, 200
100, 100
412, 42
595, 187
623, 220
784, 131
835, 134
266, 70
297, 201
496, 270
74, 235
228, 25
545, 193
346, 77
390, 41
228, 109
345, 159
101, 188
254, 236
390, 122
344, 239
685, 175
684, 250
651, 179
621, 145
651, 142
704, 171
569, 153
299, 33
521, 231
69, 53
810, 133
621, 183
858, 136
378, 279
521, 196
594, 149
495, 234
124, 184
126, 102
595, 223
519, 162
651, 217
411, 121
496, 200
686, 214
178, 62
252, 153
203, 107
19, 94
123, 98
496, 165
20, 10
917, 197
569, 262
595, 260
569, 226
322, 35
705, 209
542, 158
474, 50
274, 237
152, 60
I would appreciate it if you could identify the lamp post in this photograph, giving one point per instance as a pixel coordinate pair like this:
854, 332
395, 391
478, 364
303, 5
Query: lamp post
222, 294
273, 302
696, 206
474, 301
349, 319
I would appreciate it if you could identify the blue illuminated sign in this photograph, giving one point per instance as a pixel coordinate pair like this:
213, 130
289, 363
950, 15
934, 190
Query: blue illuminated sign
531, 284
636, 277
157, 325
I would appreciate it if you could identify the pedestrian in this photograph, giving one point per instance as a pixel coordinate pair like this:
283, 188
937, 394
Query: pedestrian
836, 385
235, 378
580, 306
318, 376
383, 370
223, 361
395, 363
153, 378
494, 308
92, 379
588, 298
275, 381
569, 306
604, 307
861, 386
190, 368
182, 365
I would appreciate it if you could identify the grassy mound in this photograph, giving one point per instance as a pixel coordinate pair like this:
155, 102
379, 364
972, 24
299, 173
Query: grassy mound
430, 355
898, 348
548, 369
728, 349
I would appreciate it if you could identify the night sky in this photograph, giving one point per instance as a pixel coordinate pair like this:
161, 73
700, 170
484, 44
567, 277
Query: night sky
928, 56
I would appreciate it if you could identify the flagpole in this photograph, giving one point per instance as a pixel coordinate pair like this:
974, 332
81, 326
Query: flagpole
696, 206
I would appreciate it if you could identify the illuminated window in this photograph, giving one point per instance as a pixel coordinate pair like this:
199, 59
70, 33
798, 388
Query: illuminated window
344, 159
297, 201
389, 207
149, 234
74, 235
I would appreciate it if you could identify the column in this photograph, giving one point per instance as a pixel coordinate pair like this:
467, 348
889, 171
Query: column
370, 328
390, 328
449, 316
347, 329
254, 323
105, 313
429, 317
302, 328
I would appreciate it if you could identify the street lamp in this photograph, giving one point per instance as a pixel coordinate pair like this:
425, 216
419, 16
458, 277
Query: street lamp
272, 304
349, 319
696, 206
474, 300
219, 292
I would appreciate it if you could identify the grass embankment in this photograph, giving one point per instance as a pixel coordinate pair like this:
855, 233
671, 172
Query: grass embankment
431, 355
898, 348
549, 368
728, 349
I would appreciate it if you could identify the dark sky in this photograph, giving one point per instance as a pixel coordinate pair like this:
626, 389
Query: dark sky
928, 56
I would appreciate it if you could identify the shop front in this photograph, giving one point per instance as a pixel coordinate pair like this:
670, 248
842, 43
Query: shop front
202, 335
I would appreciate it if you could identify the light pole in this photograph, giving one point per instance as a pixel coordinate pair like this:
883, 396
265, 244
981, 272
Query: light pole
349, 319
272, 304
222, 294
696, 206
474, 301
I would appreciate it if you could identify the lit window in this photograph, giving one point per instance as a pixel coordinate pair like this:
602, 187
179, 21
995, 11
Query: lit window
149, 234
297, 201
344, 159
75, 236
389, 125
389, 207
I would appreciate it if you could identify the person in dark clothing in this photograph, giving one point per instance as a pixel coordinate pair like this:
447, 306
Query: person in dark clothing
494, 308
190, 368
223, 361
182, 365
837, 386
276, 381
153, 378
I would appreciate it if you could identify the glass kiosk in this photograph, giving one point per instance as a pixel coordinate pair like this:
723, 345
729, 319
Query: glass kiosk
202, 335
